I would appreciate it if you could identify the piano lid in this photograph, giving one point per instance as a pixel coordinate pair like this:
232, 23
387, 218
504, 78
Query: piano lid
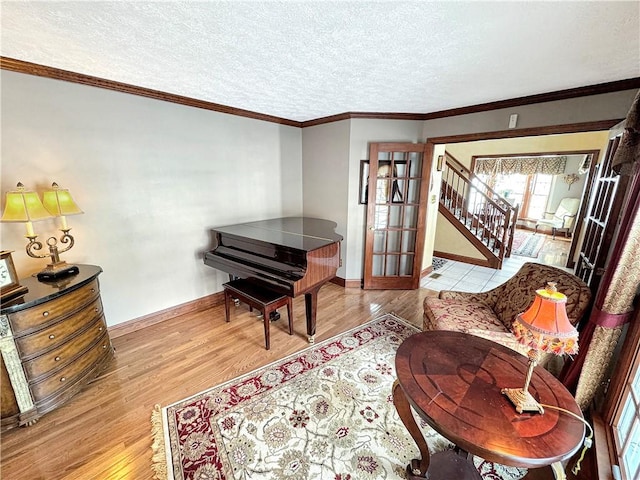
302, 233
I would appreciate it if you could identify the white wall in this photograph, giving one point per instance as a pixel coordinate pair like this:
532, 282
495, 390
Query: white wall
560, 189
152, 178
432, 208
607, 106
364, 132
331, 177
325, 176
324, 143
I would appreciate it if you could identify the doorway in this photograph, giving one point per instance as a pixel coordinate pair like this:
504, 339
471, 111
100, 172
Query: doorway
539, 140
550, 189
396, 211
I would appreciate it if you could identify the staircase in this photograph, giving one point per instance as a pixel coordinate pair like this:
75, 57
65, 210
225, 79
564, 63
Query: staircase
478, 212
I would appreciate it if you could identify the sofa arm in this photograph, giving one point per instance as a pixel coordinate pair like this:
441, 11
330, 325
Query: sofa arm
567, 219
482, 297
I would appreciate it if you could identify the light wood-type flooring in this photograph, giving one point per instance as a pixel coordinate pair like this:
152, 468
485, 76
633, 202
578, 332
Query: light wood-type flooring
105, 431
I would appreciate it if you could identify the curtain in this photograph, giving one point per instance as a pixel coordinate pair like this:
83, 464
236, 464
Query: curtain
552, 165
614, 302
628, 152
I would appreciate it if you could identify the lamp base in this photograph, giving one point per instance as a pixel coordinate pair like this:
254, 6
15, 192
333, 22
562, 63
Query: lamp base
57, 270
523, 401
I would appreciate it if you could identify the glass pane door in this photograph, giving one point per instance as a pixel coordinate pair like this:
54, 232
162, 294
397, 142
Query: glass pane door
393, 216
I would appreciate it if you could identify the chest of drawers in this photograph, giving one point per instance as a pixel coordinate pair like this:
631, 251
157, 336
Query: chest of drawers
53, 341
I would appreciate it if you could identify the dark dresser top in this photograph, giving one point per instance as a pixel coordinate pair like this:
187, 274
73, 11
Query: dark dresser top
40, 292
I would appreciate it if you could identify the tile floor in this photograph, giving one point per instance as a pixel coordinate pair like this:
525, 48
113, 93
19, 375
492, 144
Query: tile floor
464, 277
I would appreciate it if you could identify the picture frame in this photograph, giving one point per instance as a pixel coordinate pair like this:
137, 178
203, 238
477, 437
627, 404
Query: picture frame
364, 182
10, 287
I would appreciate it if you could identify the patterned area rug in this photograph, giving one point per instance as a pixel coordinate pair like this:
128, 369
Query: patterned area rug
324, 413
527, 244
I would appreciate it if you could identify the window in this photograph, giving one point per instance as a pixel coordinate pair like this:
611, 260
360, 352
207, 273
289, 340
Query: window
531, 192
541, 186
627, 433
626, 424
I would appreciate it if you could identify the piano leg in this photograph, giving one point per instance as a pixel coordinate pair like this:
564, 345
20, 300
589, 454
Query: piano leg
311, 303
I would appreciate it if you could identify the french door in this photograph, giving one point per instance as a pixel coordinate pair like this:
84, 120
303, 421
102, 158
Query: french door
396, 214
607, 195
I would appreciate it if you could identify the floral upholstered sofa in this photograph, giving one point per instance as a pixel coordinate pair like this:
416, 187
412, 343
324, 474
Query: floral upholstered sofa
490, 314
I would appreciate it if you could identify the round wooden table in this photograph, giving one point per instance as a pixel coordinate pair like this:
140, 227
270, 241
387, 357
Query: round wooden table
453, 381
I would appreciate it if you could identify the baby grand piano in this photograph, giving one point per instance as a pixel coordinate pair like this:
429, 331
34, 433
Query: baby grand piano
294, 255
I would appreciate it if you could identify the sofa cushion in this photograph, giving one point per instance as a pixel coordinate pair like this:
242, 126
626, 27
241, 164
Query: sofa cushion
457, 315
516, 295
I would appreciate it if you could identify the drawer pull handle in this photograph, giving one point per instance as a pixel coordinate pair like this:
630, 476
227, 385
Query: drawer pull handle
104, 346
100, 329
93, 289
45, 313
96, 309
52, 336
57, 359
63, 379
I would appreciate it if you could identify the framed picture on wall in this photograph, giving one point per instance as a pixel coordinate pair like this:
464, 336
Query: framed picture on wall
364, 182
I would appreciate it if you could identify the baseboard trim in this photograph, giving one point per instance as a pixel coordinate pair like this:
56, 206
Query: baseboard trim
483, 262
193, 306
426, 272
341, 282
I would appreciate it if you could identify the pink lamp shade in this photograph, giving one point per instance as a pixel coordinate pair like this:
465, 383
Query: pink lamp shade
545, 326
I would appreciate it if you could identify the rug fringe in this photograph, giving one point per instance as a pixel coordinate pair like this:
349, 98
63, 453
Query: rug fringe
159, 458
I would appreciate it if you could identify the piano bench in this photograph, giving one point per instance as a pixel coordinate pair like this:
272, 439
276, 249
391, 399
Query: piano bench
259, 297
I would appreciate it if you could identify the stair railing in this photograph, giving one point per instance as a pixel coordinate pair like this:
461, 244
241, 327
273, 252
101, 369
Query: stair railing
485, 214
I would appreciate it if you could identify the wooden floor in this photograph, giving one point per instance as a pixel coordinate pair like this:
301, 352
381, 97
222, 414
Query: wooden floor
104, 432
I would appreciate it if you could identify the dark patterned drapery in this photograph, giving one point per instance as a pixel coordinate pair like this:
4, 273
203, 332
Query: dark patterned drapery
628, 152
614, 302
551, 165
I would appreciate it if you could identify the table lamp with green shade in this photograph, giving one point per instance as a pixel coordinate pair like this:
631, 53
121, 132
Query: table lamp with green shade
24, 206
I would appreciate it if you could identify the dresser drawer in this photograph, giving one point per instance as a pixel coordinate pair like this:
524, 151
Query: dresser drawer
56, 334
65, 353
59, 342
67, 376
35, 317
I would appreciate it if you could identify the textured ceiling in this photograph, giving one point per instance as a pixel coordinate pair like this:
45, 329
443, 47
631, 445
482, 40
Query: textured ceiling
311, 59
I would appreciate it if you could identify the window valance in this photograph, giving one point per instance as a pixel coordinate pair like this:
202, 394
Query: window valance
551, 165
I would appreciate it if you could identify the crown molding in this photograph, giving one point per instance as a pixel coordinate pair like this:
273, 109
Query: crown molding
67, 76
609, 87
29, 68
582, 127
